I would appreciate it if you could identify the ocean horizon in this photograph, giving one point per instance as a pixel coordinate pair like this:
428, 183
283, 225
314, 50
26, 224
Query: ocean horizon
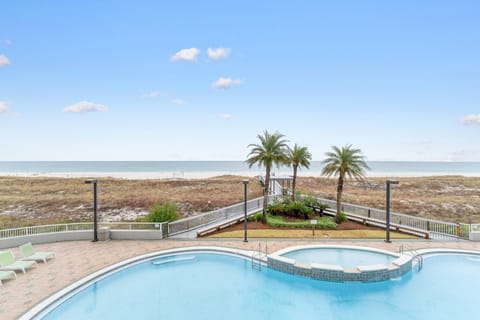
203, 169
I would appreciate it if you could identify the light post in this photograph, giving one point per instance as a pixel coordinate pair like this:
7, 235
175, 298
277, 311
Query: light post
387, 224
245, 183
94, 182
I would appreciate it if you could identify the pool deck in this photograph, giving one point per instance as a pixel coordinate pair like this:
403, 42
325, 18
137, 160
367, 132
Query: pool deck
76, 259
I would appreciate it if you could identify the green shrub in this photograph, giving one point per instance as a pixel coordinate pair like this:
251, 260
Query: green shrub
257, 217
290, 208
163, 212
276, 208
339, 218
314, 203
310, 201
298, 209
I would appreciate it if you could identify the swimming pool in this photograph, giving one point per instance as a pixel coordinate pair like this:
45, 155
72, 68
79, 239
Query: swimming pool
204, 285
347, 257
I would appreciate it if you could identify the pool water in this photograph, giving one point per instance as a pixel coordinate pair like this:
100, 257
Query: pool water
217, 286
345, 257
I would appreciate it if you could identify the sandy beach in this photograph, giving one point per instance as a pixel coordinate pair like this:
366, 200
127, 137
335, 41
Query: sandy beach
211, 174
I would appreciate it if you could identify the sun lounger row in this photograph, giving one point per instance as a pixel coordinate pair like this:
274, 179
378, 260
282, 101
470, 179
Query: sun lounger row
8, 264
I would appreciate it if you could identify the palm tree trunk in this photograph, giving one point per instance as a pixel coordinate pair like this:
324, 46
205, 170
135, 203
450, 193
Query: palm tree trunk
294, 182
265, 194
339, 194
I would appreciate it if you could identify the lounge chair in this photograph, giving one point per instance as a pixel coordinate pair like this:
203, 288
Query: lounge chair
7, 262
30, 255
4, 275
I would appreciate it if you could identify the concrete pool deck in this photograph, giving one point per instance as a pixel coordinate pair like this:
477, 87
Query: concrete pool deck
76, 259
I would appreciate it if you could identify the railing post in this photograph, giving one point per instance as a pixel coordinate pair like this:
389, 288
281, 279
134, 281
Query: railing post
369, 212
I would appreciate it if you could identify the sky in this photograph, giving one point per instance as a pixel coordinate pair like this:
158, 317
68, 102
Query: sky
199, 80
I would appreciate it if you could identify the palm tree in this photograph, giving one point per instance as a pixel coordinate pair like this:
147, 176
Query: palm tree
271, 150
344, 162
298, 157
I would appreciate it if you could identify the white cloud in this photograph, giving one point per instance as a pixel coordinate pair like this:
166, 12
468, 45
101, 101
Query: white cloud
225, 116
85, 106
186, 55
471, 119
153, 94
218, 53
225, 83
4, 60
178, 101
3, 107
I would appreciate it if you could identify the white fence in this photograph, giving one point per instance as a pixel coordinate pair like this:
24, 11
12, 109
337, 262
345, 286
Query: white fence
67, 227
206, 218
440, 230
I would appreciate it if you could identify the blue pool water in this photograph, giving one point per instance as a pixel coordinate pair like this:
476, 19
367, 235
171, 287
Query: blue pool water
215, 286
347, 258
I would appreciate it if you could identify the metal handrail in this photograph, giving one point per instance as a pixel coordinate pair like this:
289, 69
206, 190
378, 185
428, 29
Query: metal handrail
415, 256
258, 256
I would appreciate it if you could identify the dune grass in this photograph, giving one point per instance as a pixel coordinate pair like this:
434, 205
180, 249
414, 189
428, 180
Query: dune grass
39, 200
447, 198
319, 234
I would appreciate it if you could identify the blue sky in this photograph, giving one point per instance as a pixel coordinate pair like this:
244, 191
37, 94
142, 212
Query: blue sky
135, 80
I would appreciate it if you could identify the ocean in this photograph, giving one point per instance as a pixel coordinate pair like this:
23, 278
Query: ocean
202, 169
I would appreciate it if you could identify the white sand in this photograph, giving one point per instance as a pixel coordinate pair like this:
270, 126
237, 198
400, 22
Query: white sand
200, 174
131, 175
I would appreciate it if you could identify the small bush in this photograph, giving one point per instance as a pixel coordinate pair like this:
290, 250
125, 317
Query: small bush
276, 208
339, 218
298, 209
257, 217
163, 212
313, 203
310, 201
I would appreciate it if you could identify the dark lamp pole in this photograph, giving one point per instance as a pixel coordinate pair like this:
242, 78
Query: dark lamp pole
387, 224
94, 182
245, 183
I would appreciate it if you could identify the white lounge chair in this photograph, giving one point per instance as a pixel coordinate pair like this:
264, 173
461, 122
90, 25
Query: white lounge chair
8, 263
30, 255
4, 275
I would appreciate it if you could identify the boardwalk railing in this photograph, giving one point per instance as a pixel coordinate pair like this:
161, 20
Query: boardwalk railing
440, 230
226, 213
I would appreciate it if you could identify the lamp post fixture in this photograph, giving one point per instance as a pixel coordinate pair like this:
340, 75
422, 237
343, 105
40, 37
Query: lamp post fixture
387, 224
245, 183
94, 182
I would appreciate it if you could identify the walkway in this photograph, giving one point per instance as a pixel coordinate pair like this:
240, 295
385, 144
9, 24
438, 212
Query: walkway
77, 259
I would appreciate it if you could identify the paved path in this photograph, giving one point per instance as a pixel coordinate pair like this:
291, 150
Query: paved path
77, 259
